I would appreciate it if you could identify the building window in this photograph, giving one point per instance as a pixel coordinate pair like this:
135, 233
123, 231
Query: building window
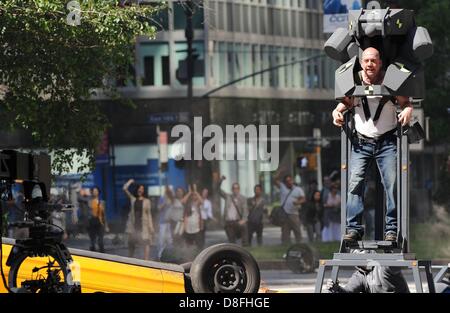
179, 12
220, 14
262, 21
155, 61
149, 71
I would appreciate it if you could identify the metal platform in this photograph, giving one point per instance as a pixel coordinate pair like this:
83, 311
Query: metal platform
403, 260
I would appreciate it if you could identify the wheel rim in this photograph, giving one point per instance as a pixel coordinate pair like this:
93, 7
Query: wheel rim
229, 276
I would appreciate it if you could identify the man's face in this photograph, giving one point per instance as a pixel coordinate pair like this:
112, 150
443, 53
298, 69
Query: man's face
258, 191
288, 182
236, 189
371, 63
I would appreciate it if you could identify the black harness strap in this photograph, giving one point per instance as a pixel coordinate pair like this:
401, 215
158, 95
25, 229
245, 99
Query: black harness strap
366, 109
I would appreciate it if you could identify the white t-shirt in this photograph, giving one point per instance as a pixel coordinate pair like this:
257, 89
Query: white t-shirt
207, 210
386, 122
193, 221
289, 206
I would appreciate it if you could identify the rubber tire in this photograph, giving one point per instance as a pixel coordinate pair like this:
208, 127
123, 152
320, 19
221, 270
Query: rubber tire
308, 256
14, 269
202, 277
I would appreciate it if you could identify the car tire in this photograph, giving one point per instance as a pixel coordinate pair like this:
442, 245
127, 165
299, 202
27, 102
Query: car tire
301, 258
225, 268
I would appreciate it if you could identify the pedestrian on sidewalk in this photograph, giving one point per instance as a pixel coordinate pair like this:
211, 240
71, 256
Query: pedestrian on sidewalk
292, 198
207, 214
332, 216
176, 217
139, 226
311, 216
236, 213
165, 207
193, 222
256, 210
97, 221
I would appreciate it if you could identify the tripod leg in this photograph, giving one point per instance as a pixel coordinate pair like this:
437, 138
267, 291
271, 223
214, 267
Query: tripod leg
319, 279
417, 280
430, 282
335, 273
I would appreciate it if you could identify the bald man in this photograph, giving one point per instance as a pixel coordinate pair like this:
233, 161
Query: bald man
375, 123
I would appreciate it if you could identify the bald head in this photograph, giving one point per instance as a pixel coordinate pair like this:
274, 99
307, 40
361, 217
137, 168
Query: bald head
371, 52
371, 65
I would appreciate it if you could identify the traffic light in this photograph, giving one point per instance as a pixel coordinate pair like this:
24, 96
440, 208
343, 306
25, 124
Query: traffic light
182, 70
307, 161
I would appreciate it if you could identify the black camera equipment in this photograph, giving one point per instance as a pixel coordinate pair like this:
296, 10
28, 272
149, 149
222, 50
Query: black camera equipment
58, 271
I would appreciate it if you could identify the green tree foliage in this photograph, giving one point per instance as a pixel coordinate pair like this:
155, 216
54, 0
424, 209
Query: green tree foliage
51, 69
433, 14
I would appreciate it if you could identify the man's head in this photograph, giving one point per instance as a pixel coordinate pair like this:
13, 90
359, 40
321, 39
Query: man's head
371, 63
236, 189
205, 193
258, 190
288, 181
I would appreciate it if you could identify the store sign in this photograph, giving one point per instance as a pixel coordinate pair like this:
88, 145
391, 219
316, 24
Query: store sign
336, 13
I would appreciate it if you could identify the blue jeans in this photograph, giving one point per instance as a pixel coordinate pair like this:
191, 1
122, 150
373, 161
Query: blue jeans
384, 153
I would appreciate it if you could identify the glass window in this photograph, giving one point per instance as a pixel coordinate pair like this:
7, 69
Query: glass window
262, 21
246, 19
230, 61
256, 62
220, 15
155, 62
179, 11
308, 25
285, 23
213, 14
230, 18
277, 22
273, 58
302, 67
301, 24
254, 20
294, 24
161, 20
247, 64
265, 63
238, 62
223, 63
270, 22
295, 68
237, 17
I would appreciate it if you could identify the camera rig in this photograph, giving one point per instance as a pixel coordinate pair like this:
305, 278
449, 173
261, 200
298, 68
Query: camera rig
33, 171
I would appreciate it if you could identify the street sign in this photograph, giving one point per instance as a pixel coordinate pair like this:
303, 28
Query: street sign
168, 118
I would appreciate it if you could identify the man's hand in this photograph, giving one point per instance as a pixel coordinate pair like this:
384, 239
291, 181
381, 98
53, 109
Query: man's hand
332, 286
405, 116
338, 118
242, 222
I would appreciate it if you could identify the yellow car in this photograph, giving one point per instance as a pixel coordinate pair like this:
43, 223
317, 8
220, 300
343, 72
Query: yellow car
219, 268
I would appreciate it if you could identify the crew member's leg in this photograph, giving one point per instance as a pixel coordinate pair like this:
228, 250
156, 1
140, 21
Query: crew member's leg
387, 164
360, 160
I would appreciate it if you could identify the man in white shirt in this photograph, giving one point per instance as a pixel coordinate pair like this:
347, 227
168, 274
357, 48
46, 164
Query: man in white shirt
291, 198
375, 122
